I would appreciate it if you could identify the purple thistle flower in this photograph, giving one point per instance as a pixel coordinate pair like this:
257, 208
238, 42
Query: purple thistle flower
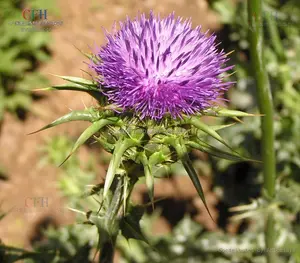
158, 66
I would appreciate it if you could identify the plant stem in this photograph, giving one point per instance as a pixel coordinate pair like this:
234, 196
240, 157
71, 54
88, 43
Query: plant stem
275, 37
265, 104
108, 251
109, 234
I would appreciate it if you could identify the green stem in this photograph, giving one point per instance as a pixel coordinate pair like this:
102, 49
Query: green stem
265, 104
275, 37
109, 236
109, 232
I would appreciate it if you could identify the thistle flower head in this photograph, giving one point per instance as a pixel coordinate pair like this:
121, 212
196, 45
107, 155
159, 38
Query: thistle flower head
161, 66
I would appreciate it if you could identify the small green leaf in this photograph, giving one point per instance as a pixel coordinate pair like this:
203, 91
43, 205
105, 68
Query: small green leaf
76, 115
221, 127
205, 128
130, 224
90, 131
201, 133
120, 147
187, 164
204, 147
148, 175
156, 158
73, 86
182, 153
81, 81
94, 92
231, 113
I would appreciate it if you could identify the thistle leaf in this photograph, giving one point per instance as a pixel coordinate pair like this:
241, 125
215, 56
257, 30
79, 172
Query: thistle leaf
182, 153
95, 93
201, 133
156, 158
204, 147
187, 164
221, 127
90, 131
71, 86
120, 147
205, 128
231, 113
81, 81
149, 176
76, 115
130, 224
125, 192
102, 140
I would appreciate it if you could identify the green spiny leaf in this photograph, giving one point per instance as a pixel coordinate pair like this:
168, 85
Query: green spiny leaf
148, 175
90, 131
182, 153
204, 147
205, 128
120, 147
230, 113
76, 115
95, 93
201, 133
187, 164
71, 86
109, 147
81, 81
221, 127
125, 192
130, 224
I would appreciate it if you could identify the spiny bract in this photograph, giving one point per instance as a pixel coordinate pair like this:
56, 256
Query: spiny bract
161, 66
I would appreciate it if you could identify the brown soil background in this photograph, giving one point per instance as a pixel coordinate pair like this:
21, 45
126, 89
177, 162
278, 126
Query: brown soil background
82, 27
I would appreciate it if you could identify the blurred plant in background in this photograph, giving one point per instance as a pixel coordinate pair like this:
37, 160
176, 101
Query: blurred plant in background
21, 52
281, 24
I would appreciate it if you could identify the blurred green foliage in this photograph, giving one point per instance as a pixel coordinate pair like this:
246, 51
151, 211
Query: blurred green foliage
21, 52
282, 29
74, 176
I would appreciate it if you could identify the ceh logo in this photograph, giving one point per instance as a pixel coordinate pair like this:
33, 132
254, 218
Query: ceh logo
36, 202
34, 14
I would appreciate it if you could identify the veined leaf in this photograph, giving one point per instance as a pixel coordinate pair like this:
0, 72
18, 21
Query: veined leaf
182, 153
205, 128
95, 93
148, 175
187, 164
120, 147
203, 147
221, 127
76, 115
77, 80
230, 113
71, 86
215, 128
130, 224
90, 131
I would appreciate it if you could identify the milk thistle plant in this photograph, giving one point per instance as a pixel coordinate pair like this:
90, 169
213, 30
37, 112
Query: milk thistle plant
155, 79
